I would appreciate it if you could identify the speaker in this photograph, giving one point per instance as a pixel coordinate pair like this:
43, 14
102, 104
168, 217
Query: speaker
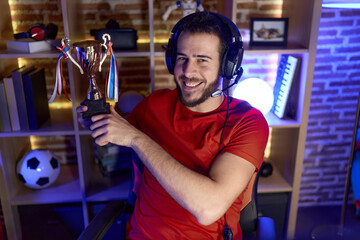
232, 57
266, 169
122, 38
39, 32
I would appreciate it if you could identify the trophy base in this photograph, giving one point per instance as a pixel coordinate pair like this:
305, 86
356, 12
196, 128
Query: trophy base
95, 107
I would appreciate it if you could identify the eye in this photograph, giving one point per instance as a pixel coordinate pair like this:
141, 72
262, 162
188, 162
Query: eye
180, 58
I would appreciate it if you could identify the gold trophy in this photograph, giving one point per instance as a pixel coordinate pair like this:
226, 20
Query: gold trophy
87, 56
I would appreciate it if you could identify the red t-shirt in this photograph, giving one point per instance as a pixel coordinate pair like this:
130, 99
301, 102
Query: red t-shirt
193, 139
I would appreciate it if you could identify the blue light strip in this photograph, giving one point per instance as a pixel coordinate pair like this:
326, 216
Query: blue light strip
341, 5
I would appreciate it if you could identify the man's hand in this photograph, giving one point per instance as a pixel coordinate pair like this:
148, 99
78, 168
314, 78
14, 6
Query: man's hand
85, 123
112, 128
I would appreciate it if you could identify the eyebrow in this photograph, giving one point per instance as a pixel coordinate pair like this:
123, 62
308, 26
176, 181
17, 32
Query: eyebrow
198, 55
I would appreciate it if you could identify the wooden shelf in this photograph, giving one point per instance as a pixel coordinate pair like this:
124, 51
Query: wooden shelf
60, 123
10, 54
142, 50
66, 188
291, 48
103, 188
275, 122
274, 183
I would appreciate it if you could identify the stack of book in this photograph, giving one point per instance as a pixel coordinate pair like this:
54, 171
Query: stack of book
23, 100
113, 159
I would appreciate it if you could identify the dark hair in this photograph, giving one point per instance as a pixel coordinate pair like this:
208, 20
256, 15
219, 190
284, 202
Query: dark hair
205, 22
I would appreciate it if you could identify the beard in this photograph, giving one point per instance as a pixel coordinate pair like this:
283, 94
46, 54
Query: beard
205, 95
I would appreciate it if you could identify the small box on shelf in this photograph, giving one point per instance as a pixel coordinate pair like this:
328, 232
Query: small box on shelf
31, 46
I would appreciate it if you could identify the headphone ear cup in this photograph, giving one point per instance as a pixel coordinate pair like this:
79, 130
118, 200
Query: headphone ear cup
51, 31
224, 64
232, 60
170, 55
38, 32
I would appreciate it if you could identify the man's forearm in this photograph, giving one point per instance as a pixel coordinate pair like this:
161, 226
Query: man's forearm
201, 195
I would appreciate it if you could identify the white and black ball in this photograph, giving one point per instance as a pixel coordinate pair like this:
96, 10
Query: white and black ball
38, 169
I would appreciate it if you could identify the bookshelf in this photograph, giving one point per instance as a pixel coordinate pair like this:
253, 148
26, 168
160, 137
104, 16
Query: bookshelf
287, 138
83, 184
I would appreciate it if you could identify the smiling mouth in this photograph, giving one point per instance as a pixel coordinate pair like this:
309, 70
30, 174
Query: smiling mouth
191, 84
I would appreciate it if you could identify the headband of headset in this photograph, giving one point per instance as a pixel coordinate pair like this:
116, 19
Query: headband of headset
232, 57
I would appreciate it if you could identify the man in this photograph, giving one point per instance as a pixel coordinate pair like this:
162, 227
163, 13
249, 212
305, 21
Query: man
199, 151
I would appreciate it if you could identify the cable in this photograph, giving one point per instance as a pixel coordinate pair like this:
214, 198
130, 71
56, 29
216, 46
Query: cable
226, 118
227, 233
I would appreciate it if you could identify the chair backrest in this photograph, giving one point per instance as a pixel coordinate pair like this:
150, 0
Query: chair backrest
249, 213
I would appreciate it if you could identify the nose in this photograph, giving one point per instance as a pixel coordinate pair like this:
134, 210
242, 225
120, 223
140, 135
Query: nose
189, 69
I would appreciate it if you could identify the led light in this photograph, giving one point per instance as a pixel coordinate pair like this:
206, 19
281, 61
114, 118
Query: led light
256, 92
341, 4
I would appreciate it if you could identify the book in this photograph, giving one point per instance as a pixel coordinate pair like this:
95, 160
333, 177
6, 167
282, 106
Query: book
5, 124
12, 106
28, 45
36, 98
17, 77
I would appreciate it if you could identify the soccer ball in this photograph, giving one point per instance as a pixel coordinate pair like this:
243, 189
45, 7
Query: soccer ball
38, 169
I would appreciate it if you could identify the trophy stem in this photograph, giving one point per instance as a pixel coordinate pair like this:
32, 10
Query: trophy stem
94, 101
94, 92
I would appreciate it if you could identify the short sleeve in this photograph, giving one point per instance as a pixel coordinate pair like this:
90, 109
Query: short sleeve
248, 138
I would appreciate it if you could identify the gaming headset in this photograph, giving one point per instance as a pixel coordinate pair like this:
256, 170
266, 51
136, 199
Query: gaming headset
232, 57
39, 32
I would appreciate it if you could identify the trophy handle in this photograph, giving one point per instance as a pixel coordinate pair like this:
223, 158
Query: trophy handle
106, 37
65, 42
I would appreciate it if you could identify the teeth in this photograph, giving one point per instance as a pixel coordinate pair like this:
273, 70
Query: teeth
192, 84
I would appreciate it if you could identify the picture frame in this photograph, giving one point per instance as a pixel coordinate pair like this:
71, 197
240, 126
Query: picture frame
269, 31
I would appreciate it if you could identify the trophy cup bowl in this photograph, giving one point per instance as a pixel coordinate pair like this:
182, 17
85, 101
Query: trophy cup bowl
88, 58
